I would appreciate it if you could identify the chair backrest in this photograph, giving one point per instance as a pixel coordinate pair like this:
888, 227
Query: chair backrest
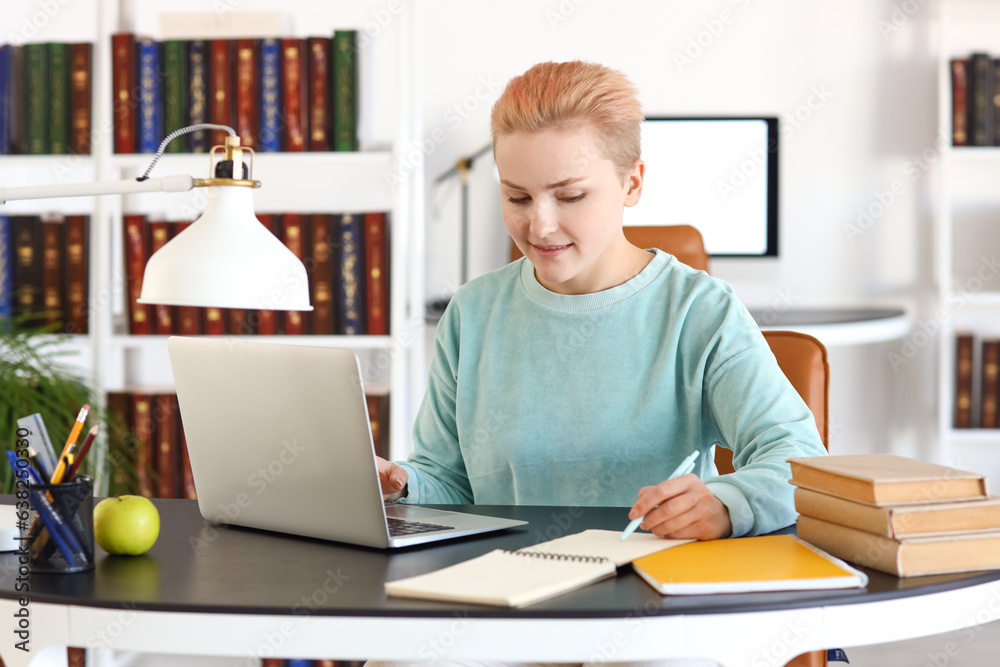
803, 360
682, 241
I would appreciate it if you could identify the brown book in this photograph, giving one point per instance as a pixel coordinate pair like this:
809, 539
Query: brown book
963, 381
272, 662
214, 320
120, 439
76, 656
377, 273
293, 82
320, 273
165, 419
77, 253
80, 93
886, 479
319, 97
378, 416
220, 96
294, 236
26, 239
247, 91
239, 322
124, 87
188, 318
967, 552
137, 247
163, 315
899, 521
143, 427
187, 477
988, 394
959, 102
52, 271
267, 320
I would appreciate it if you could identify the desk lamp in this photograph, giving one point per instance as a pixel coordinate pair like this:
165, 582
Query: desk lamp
226, 258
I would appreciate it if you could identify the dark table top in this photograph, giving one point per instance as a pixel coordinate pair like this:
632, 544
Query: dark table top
197, 566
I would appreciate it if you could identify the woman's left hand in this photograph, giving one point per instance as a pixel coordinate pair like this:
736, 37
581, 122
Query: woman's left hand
682, 508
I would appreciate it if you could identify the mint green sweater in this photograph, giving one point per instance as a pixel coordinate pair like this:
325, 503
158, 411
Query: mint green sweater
538, 398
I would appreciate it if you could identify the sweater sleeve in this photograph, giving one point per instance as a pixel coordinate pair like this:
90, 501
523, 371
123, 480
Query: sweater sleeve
760, 416
436, 468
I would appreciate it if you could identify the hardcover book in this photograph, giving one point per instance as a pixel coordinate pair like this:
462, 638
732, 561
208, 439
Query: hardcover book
166, 419
143, 427
173, 53
26, 235
321, 275
296, 120
36, 97
52, 271
352, 274
898, 521
319, 100
136, 253
80, 93
150, 119
247, 91
221, 87
886, 479
6, 270
123, 78
913, 556
163, 315
77, 273
294, 234
271, 123
198, 94
18, 136
989, 378
5, 99
963, 380
58, 77
981, 100
377, 273
345, 91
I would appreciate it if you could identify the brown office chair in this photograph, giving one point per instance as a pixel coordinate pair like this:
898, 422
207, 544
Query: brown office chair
803, 360
682, 241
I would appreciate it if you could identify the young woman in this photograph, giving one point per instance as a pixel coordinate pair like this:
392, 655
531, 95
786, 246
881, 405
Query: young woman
584, 373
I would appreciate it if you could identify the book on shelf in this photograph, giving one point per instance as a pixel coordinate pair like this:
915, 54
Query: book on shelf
746, 565
123, 88
43, 271
901, 521
345, 90
80, 96
174, 57
294, 94
58, 84
318, 98
319, 268
247, 91
532, 574
294, 234
5, 98
963, 380
150, 109
903, 557
36, 98
198, 72
351, 274
220, 96
885, 479
377, 262
137, 243
270, 116
988, 383
981, 91
160, 232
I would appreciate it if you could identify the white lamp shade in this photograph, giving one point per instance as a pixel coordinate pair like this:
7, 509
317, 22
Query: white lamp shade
226, 259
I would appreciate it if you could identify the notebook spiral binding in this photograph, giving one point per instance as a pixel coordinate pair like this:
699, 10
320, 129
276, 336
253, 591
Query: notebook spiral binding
554, 556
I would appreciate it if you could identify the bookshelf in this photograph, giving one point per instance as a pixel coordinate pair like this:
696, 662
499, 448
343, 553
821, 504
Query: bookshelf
307, 182
966, 232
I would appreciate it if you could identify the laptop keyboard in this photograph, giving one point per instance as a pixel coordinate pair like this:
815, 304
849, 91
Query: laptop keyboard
400, 527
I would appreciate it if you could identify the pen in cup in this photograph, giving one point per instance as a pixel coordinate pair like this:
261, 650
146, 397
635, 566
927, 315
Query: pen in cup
686, 466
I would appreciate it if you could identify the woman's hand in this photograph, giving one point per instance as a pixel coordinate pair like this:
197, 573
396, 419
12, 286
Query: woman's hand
392, 478
682, 508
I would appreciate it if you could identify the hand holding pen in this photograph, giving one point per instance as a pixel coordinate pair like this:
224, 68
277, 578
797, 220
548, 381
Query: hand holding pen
682, 507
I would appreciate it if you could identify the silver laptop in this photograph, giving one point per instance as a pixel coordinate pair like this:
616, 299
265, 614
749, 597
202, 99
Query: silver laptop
279, 439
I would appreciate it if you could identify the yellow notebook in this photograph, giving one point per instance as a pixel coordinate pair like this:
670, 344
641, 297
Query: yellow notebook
746, 565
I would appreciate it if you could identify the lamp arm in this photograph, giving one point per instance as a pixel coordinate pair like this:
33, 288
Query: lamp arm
125, 187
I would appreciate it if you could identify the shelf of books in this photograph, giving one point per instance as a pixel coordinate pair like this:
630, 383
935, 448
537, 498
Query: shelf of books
967, 269
90, 89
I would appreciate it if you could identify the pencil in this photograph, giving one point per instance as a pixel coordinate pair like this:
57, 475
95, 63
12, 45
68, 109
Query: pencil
77, 427
78, 459
65, 463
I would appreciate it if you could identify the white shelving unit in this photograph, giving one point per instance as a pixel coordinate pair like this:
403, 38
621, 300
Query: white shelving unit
967, 238
291, 182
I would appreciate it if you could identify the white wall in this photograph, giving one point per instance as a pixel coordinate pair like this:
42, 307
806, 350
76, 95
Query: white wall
854, 82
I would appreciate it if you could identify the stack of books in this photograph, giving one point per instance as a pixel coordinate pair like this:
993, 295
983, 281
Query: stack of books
898, 515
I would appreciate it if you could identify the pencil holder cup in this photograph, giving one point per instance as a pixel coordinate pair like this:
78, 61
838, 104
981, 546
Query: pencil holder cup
60, 536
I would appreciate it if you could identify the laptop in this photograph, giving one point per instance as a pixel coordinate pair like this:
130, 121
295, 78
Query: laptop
279, 439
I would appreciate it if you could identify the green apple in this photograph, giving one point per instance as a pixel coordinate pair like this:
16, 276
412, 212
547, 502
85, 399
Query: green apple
126, 525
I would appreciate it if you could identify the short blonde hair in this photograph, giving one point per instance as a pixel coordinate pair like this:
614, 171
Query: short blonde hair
553, 95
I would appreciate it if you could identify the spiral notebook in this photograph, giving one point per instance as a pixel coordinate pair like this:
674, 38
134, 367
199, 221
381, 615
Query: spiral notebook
529, 575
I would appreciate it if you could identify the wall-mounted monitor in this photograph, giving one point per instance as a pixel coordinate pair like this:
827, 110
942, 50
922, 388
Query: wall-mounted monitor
719, 175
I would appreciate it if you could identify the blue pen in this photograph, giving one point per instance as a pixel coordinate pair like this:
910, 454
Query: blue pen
686, 466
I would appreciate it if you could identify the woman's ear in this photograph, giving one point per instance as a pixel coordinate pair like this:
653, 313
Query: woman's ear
633, 183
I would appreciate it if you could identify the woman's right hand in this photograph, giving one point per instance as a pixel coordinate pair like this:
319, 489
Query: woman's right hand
393, 479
